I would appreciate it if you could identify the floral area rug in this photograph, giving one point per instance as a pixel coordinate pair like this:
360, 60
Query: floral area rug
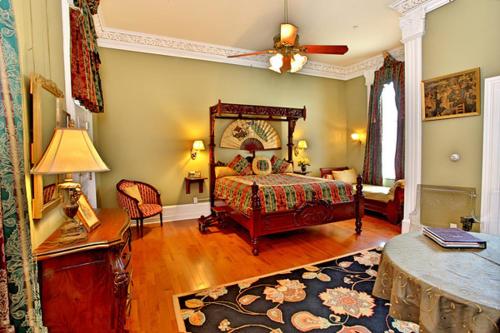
332, 296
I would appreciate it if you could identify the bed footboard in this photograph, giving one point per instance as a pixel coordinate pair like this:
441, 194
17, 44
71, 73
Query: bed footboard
314, 212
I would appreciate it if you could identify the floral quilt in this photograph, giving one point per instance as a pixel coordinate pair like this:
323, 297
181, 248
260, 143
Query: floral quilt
280, 192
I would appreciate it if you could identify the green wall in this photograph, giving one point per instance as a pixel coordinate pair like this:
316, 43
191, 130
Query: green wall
357, 116
155, 106
39, 30
461, 35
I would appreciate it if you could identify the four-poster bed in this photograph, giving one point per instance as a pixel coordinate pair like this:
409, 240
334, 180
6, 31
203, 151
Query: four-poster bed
315, 206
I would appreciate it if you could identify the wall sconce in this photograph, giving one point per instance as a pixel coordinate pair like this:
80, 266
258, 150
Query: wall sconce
198, 145
356, 137
301, 145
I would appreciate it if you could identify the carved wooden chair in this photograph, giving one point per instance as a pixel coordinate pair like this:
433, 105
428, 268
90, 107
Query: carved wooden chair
144, 203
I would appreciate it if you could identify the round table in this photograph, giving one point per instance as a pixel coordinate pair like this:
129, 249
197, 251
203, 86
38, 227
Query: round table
442, 290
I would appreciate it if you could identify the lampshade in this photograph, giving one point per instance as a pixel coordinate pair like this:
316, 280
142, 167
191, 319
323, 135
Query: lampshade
298, 61
356, 136
70, 150
276, 62
302, 144
198, 145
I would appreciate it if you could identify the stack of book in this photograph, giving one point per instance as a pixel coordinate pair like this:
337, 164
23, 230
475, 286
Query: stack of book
454, 238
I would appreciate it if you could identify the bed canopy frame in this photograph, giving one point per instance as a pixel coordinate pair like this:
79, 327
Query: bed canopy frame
251, 112
258, 224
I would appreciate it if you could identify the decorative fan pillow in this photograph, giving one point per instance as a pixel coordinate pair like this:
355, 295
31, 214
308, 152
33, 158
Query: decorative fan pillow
262, 166
347, 176
133, 191
241, 166
280, 165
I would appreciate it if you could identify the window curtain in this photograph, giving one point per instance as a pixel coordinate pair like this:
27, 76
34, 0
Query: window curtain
391, 71
85, 80
19, 292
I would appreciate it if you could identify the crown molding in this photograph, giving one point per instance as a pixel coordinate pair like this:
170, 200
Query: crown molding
175, 47
405, 6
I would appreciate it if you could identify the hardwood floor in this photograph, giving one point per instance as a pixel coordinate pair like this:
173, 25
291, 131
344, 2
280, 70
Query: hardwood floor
178, 259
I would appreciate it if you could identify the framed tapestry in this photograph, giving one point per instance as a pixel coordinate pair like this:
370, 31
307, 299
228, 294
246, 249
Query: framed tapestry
453, 95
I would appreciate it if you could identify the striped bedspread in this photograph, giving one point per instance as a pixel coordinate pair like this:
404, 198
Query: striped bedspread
279, 192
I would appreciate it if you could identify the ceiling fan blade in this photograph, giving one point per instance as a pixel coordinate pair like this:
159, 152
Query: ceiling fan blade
288, 34
252, 53
325, 49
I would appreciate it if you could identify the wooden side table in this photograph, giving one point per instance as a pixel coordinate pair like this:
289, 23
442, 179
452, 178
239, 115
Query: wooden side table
190, 180
85, 286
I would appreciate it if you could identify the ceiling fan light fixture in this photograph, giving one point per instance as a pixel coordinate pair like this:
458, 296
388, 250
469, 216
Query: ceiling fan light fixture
298, 61
288, 34
276, 62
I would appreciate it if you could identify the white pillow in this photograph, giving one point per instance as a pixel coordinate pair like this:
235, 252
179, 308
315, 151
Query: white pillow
347, 176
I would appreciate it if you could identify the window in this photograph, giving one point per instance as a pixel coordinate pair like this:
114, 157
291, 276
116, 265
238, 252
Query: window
389, 130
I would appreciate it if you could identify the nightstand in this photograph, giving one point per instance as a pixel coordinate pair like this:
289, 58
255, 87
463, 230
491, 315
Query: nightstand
300, 172
190, 180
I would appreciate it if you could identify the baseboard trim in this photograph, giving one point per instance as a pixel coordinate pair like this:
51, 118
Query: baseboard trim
180, 212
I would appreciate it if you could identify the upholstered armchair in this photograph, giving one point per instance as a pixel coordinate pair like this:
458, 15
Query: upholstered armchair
139, 200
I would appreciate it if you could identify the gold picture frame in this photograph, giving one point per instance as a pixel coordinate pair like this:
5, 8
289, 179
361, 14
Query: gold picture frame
86, 214
451, 96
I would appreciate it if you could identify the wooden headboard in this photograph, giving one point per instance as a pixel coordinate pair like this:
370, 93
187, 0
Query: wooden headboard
328, 171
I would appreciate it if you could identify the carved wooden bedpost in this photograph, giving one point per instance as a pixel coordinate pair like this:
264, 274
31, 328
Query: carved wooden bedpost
211, 153
357, 199
291, 129
256, 212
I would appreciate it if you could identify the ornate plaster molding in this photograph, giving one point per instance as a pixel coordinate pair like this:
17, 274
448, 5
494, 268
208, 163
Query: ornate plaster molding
405, 6
412, 25
162, 45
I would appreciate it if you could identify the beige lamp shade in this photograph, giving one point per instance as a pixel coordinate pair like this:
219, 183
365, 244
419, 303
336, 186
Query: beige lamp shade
70, 150
198, 145
302, 144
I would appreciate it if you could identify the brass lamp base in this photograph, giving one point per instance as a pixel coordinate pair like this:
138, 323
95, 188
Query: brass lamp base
71, 231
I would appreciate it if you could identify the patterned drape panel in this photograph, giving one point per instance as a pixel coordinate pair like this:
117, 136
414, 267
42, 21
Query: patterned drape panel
22, 309
85, 61
391, 71
399, 87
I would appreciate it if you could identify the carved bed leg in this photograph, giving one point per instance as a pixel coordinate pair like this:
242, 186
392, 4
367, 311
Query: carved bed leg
256, 212
357, 201
255, 246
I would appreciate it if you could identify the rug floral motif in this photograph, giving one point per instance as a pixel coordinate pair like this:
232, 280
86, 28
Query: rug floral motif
333, 296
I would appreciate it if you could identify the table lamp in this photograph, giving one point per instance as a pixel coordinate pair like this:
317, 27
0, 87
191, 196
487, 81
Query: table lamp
70, 151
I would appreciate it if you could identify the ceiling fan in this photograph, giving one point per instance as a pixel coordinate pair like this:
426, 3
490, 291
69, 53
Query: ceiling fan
288, 53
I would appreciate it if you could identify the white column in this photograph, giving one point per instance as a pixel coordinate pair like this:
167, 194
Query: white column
413, 28
490, 189
412, 24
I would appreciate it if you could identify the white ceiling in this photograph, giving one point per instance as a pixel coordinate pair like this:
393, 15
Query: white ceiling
368, 27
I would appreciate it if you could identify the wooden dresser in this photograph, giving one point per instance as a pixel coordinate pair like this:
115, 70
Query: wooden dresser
85, 286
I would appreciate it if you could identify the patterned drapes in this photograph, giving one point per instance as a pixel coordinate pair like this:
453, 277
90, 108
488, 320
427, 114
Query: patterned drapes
19, 293
85, 61
398, 78
391, 71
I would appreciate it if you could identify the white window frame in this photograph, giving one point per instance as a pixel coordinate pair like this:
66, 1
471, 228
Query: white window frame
490, 189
